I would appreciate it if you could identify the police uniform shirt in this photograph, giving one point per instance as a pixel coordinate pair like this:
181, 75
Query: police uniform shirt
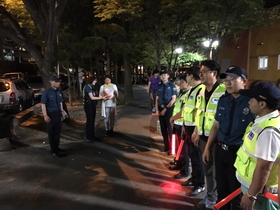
89, 89
233, 115
52, 99
165, 92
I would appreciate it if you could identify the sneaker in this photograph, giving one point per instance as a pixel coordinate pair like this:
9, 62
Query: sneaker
196, 190
206, 204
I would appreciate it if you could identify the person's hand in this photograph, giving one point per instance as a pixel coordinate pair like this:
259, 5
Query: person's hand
47, 119
162, 113
63, 114
246, 203
206, 156
195, 138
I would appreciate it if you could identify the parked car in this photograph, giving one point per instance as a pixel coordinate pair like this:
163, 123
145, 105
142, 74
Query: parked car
14, 75
37, 85
15, 95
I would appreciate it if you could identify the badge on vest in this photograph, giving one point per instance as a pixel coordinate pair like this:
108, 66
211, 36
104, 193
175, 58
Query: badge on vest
214, 100
191, 98
251, 136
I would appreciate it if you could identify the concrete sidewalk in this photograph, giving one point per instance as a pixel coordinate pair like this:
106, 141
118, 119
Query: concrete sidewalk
125, 171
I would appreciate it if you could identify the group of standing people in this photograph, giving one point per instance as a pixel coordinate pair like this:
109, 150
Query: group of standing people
231, 134
52, 108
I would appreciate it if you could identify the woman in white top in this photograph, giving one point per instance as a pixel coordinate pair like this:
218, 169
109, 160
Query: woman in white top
108, 108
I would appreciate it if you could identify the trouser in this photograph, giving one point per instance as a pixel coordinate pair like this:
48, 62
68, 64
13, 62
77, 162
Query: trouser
226, 176
165, 127
90, 111
196, 159
209, 171
153, 98
54, 129
184, 157
109, 120
262, 203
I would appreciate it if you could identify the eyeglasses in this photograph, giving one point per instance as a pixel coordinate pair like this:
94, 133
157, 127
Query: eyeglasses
231, 80
204, 71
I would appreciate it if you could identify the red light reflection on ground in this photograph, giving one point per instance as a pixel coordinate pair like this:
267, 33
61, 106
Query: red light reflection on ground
171, 187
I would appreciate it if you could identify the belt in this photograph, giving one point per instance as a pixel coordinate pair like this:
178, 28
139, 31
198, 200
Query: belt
228, 147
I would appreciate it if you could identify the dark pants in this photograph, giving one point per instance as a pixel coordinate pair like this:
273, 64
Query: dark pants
196, 159
54, 129
165, 127
225, 176
184, 157
209, 171
90, 111
153, 97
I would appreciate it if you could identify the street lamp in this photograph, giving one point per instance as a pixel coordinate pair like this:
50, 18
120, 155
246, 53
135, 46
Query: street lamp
214, 44
178, 51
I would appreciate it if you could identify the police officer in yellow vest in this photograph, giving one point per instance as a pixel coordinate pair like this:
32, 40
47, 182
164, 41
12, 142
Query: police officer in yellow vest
256, 169
204, 119
177, 122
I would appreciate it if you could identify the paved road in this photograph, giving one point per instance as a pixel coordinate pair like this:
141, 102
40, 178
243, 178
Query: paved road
126, 171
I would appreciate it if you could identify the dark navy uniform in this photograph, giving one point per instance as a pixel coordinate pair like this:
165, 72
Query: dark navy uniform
233, 115
165, 92
90, 110
52, 99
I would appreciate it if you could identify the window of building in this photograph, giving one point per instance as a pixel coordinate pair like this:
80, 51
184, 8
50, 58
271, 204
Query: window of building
263, 62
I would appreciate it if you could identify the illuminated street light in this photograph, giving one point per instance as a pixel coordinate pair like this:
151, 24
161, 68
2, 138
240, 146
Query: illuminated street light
214, 45
179, 50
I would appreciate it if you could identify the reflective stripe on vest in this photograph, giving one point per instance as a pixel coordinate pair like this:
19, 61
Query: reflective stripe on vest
205, 114
189, 109
246, 162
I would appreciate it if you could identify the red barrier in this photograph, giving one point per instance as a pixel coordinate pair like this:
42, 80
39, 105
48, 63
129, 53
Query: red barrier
237, 192
271, 196
228, 198
179, 149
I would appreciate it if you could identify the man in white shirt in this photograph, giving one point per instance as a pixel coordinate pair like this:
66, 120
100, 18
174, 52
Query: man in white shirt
255, 163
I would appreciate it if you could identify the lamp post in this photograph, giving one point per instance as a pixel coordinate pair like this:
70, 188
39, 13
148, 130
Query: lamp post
212, 44
178, 51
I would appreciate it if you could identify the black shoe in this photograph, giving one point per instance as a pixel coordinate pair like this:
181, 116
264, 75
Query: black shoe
196, 190
188, 183
61, 150
111, 132
107, 133
180, 176
90, 141
169, 153
175, 167
173, 163
163, 150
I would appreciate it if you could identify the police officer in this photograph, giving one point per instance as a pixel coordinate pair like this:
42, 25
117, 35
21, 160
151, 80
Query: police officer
53, 113
165, 99
206, 108
231, 119
177, 121
90, 100
255, 163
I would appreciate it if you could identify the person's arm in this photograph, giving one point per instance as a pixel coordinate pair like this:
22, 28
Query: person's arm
156, 104
148, 88
63, 113
96, 98
173, 100
210, 142
176, 117
44, 110
259, 180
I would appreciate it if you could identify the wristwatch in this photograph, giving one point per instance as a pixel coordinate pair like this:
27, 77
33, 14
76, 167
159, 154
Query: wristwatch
251, 197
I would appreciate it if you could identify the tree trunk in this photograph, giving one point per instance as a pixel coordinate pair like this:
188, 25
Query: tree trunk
128, 93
